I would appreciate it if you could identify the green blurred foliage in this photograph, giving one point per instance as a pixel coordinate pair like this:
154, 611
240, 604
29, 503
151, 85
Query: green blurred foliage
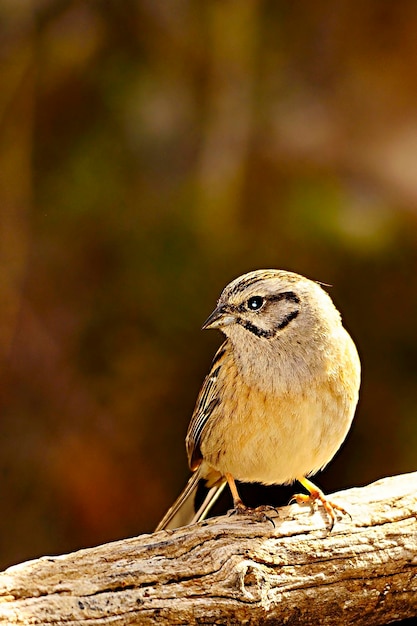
150, 152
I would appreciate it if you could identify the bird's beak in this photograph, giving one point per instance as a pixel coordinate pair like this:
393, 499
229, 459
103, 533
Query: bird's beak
220, 317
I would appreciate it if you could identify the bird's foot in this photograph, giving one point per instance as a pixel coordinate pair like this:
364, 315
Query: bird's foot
259, 513
329, 506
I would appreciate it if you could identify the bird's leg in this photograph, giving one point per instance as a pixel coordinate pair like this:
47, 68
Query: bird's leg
237, 502
239, 508
314, 493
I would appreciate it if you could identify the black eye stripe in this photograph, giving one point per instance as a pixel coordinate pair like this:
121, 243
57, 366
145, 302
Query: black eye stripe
255, 330
287, 319
267, 334
290, 296
285, 295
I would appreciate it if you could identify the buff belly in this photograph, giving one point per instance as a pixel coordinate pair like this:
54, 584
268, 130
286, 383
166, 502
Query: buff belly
277, 440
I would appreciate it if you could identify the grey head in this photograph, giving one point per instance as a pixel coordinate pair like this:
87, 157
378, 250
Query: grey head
265, 305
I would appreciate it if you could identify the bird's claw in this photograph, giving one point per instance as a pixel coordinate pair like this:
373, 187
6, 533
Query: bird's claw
258, 513
329, 506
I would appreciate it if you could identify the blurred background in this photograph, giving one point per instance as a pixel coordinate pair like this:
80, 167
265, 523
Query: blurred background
150, 152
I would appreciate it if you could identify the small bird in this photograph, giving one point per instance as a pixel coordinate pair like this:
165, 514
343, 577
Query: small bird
279, 398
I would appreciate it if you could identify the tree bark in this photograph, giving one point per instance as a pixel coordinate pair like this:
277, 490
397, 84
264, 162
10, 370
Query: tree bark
234, 570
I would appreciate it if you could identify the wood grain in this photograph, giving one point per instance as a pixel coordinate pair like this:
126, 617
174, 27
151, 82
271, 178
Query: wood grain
233, 570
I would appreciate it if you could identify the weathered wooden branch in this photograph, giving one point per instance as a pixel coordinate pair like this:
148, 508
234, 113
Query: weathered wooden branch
233, 569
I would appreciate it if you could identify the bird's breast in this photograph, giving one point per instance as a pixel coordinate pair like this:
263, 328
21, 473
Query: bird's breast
273, 431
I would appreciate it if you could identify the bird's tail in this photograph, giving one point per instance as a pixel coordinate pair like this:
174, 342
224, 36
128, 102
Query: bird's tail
182, 511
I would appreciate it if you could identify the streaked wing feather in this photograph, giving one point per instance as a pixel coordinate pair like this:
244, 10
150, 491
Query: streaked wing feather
207, 400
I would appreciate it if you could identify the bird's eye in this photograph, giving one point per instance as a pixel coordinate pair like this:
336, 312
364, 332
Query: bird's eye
255, 303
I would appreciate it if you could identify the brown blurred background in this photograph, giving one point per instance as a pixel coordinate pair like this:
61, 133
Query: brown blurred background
151, 151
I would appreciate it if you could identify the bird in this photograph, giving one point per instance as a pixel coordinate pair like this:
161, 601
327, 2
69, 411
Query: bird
279, 398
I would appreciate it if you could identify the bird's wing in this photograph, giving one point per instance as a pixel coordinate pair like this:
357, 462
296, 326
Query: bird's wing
208, 399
